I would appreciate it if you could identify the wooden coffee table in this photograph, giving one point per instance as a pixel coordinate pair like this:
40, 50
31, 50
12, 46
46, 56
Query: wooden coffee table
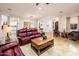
40, 46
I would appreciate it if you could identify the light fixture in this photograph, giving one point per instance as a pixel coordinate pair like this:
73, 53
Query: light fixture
47, 3
39, 3
9, 9
60, 11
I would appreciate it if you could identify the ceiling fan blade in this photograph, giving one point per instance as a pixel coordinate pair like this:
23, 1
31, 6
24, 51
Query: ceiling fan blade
37, 4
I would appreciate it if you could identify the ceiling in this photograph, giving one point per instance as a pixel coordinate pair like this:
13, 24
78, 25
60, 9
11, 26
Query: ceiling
30, 10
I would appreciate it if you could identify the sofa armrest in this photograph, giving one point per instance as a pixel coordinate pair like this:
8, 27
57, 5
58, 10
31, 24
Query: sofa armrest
8, 46
18, 37
18, 51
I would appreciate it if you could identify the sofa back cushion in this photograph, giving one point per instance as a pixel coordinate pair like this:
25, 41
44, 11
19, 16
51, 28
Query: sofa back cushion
26, 38
35, 32
31, 29
22, 30
22, 34
73, 32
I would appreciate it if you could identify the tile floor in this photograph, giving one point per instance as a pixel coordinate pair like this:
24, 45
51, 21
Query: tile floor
62, 47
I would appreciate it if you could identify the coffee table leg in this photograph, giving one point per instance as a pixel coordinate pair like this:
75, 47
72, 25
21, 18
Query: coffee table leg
38, 52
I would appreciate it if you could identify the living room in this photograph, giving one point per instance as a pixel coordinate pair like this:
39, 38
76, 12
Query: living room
39, 29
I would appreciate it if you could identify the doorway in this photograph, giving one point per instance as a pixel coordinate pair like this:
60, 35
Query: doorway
56, 29
56, 26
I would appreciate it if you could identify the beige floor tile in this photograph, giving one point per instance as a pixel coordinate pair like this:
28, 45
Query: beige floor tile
62, 47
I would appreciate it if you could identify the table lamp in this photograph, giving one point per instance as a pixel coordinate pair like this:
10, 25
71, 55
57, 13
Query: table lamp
7, 30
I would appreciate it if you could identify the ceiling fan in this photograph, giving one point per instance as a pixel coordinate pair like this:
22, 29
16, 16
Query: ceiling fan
39, 3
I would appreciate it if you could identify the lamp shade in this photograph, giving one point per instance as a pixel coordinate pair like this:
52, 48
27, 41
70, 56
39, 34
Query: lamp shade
6, 28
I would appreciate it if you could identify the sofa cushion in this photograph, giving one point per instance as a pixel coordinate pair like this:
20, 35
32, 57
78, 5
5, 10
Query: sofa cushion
35, 32
35, 36
8, 46
1, 54
28, 30
26, 38
32, 36
9, 52
29, 33
22, 30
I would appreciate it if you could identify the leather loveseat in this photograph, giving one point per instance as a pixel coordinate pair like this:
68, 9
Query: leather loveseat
11, 49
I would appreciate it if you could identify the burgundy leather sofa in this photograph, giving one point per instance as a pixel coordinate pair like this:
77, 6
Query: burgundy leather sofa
25, 35
11, 49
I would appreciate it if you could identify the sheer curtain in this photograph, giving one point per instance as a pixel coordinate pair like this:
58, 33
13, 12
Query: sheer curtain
13, 22
2, 36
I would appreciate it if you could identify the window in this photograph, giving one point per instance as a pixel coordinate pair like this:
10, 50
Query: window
13, 22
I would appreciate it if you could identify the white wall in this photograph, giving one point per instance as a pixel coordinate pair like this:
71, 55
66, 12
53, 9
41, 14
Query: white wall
0, 20
62, 23
47, 23
33, 23
73, 20
20, 23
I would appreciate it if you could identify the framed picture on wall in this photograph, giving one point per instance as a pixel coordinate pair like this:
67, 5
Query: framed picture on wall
73, 26
27, 24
